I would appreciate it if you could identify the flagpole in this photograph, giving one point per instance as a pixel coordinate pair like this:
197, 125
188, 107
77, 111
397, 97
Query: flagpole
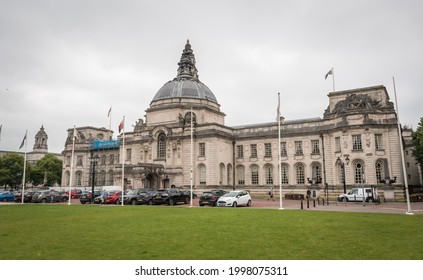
279, 153
192, 145
333, 79
123, 159
24, 171
71, 168
407, 195
110, 119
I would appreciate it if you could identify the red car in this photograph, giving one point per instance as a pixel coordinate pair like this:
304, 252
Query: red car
75, 193
114, 197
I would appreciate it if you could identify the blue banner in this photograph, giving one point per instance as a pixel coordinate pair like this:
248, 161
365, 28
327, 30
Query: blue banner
105, 144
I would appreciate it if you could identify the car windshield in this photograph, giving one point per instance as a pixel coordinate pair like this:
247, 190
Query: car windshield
231, 194
131, 192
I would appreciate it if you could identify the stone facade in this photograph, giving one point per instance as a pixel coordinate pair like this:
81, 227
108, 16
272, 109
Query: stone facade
183, 140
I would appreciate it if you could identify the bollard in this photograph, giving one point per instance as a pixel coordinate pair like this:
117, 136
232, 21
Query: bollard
308, 203
302, 204
314, 203
323, 202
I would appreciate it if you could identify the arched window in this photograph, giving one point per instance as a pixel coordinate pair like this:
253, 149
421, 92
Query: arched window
221, 173
316, 171
254, 175
358, 172
229, 174
284, 173
78, 178
67, 178
240, 173
380, 170
202, 174
161, 146
268, 173
300, 171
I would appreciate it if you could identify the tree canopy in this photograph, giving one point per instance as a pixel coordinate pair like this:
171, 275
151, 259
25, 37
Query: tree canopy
47, 170
11, 170
418, 143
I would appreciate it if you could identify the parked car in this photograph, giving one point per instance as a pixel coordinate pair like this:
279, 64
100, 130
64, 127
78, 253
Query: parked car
171, 197
234, 199
210, 197
47, 196
146, 197
188, 192
27, 196
75, 193
369, 194
7, 196
87, 197
131, 197
113, 197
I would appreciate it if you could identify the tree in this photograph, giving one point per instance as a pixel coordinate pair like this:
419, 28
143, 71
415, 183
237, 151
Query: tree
47, 170
11, 170
418, 144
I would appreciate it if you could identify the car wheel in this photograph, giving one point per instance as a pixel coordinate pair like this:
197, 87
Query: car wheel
64, 199
150, 202
133, 202
201, 204
369, 199
117, 201
187, 200
234, 204
171, 202
43, 200
5, 199
249, 203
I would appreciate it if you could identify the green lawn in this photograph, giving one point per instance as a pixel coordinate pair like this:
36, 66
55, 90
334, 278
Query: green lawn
86, 232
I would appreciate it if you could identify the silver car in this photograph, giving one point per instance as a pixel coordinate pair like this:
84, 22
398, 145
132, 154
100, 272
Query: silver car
234, 199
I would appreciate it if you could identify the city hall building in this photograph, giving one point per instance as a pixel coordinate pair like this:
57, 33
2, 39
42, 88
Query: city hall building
183, 140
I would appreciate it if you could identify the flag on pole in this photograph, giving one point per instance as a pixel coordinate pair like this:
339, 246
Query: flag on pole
279, 106
76, 134
23, 141
110, 110
329, 73
121, 125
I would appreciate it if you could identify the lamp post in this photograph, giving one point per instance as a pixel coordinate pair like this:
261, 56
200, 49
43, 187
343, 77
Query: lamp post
94, 160
342, 164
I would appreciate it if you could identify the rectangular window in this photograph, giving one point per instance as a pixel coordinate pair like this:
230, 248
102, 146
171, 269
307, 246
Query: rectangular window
241, 175
298, 148
378, 141
128, 154
357, 142
283, 149
315, 149
68, 160
240, 151
202, 149
112, 159
253, 148
267, 149
284, 174
79, 160
337, 144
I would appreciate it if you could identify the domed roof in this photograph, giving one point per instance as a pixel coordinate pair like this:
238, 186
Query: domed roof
187, 83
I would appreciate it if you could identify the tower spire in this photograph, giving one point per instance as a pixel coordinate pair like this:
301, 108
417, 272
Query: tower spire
187, 69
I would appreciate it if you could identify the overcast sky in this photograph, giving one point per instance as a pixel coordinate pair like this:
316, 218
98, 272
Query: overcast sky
64, 63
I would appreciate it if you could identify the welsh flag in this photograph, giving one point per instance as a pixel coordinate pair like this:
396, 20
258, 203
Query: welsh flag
121, 125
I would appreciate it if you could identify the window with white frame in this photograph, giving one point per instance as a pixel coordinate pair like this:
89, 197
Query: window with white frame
240, 151
298, 148
337, 144
253, 150
358, 172
221, 173
267, 149
316, 170
240, 171
229, 174
378, 141
356, 139
284, 173
78, 179
315, 149
128, 154
300, 170
380, 170
202, 174
268, 172
283, 149
202, 149
254, 175
161, 146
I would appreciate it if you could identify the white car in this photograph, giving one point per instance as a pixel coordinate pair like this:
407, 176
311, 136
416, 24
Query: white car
234, 199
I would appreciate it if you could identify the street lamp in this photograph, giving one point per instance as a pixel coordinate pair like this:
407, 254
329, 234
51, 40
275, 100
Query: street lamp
94, 160
342, 164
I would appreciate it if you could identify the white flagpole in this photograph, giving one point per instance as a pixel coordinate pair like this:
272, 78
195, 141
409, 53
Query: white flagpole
333, 79
123, 159
407, 195
24, 170
71, 167
279, 151
110, 119
192, 148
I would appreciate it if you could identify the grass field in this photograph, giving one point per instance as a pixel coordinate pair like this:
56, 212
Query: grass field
91, 232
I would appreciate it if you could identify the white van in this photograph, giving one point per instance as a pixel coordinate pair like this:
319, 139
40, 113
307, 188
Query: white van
369, 194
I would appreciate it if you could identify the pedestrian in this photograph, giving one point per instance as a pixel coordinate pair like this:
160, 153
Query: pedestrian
51, 197
103, 197
308, 194
271, 195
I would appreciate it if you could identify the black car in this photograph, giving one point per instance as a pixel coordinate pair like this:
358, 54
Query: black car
171, 197
27, 196
146, 197
210, 197
86, 197
131, 197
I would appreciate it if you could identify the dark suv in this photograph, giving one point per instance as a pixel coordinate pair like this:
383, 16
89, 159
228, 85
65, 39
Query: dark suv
131, 197
171, 197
